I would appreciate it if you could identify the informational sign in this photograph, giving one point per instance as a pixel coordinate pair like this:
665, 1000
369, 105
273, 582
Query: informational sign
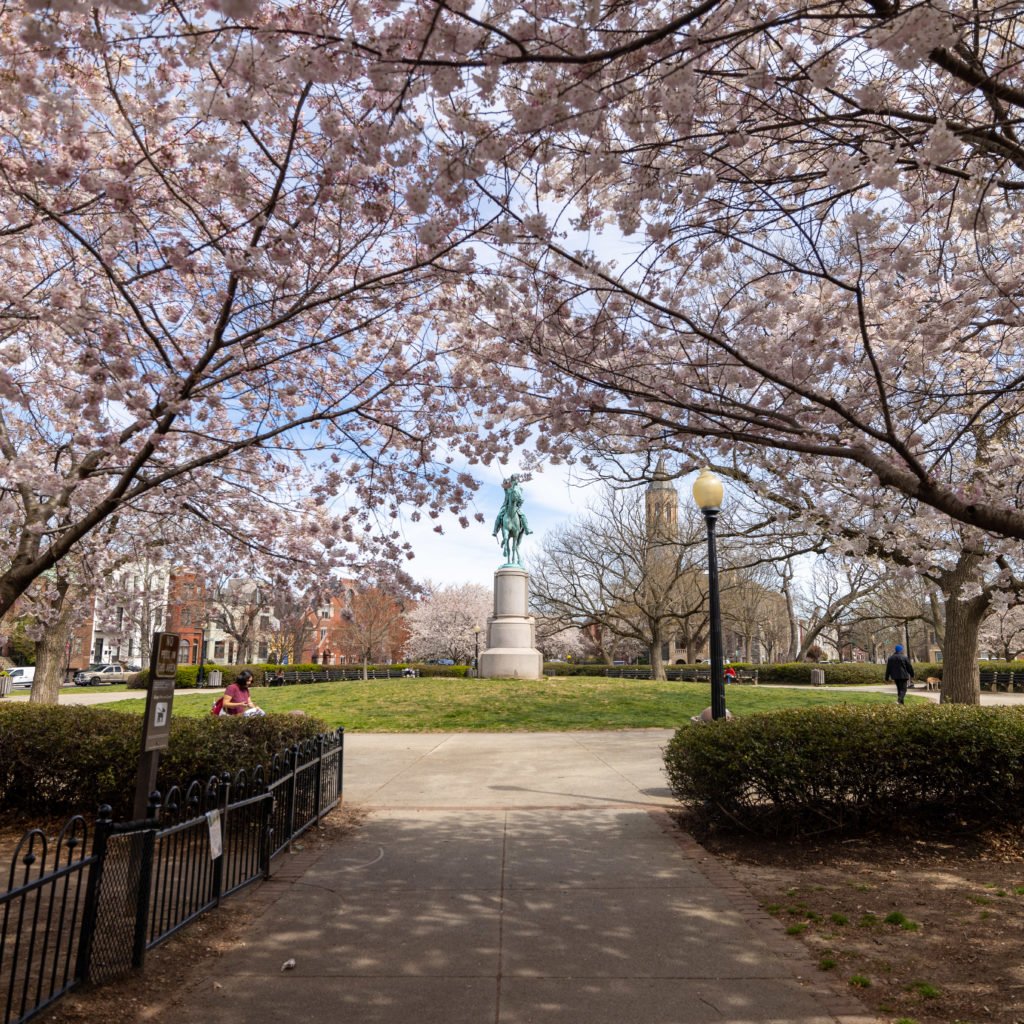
216, 835
156, 726
156, 733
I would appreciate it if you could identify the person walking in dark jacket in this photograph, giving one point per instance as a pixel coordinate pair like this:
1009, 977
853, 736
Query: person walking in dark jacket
899, 670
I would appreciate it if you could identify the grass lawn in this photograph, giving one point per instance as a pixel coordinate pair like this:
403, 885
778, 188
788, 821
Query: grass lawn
506, 705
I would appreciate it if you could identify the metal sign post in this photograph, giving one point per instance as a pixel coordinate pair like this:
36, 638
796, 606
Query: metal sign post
156, 728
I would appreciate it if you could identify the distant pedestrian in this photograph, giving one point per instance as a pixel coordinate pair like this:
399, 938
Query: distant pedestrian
899, 670
730, 674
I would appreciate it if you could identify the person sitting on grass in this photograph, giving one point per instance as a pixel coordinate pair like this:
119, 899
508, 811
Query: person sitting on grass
236, 697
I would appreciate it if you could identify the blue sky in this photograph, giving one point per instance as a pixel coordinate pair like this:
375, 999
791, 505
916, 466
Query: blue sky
459, 556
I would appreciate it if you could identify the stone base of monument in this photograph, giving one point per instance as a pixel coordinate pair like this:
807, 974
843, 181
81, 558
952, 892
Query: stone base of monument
511, 636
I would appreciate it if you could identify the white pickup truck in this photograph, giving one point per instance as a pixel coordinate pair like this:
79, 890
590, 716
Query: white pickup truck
99, 675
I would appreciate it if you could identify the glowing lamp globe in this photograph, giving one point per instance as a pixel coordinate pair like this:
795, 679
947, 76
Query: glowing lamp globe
708, 490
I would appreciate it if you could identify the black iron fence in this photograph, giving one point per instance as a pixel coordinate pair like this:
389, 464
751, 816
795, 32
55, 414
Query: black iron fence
331, 675
71, 914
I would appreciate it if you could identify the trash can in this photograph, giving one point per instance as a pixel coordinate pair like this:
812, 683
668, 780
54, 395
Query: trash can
6, 682
214, 679
817, 677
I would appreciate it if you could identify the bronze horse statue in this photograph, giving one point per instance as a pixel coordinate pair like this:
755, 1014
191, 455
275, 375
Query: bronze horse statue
511, 522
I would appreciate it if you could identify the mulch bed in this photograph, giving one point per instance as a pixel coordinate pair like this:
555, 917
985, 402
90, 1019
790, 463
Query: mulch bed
923, 928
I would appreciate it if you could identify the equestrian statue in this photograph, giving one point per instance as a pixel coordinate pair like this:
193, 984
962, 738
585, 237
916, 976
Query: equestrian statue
511, 522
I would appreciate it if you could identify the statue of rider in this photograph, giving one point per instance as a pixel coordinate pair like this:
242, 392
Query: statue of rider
512, 507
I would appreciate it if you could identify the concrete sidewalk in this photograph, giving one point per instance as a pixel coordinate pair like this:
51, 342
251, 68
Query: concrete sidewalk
506, 879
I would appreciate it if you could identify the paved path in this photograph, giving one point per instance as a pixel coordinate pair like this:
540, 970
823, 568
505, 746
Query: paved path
507, 879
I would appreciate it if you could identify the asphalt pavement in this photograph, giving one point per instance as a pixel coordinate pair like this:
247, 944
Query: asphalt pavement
506, 879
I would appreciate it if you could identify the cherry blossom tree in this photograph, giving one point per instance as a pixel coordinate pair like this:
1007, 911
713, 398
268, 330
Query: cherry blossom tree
1003, 633
774, 227
789, 234
215, 277
442, 624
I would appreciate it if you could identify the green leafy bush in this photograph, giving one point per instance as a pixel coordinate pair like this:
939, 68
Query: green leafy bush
441, 671
845, 766
185, 677
68, 759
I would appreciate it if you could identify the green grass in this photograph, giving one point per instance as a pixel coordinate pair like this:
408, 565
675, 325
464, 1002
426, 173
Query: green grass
860, 981
925, 990
898, 918
557, 704
838, 918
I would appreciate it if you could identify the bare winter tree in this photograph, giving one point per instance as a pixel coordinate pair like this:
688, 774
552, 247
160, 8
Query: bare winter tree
373, 626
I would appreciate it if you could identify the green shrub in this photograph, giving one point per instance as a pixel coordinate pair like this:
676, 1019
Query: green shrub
440, 671
845, 766
185, 678
69, 759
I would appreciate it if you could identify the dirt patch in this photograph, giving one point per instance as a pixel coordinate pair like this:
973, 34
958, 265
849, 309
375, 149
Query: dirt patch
192, 953
923, 929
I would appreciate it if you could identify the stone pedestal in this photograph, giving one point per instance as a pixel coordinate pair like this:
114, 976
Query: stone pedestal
510, 651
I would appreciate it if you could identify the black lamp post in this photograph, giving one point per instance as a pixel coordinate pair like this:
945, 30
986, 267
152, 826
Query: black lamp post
707, 493
476, 652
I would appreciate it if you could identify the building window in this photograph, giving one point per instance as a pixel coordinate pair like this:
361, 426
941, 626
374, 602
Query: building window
325, 613
120, 618
186, 616
218, 650
323, 633
325, 658
264, 622
184, 650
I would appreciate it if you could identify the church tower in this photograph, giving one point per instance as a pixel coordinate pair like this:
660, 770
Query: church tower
662, 528
662, 502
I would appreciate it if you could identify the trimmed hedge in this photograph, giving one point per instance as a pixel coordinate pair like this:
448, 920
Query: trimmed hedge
70, 759
846, 767
185, 677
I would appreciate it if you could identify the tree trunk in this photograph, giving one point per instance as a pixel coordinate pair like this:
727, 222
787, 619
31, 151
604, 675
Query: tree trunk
366, 666
962, 621
657, 664
960, 680
52, 649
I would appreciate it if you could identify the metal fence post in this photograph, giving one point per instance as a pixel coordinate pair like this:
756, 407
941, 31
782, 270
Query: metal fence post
267, 831
292, 786
104, 824
319, 777
218, 864
341, 763
145, 880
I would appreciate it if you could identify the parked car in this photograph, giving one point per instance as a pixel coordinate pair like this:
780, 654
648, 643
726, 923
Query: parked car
99, 675
22, 676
